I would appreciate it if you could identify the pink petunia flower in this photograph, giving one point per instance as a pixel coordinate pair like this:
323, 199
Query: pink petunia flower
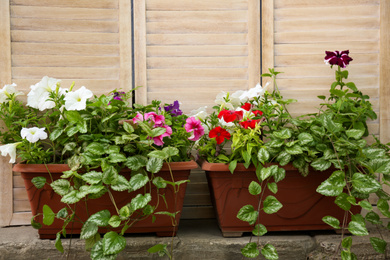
158, 120
195, 127
138, 117
158, 140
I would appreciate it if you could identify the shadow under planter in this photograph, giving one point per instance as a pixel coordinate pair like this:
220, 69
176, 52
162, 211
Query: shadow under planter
303, 208
162, 226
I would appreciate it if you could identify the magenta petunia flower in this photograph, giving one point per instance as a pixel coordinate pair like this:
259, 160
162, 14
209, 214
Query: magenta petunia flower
158, 120
138, 117
337, 58
158, 140
195, 127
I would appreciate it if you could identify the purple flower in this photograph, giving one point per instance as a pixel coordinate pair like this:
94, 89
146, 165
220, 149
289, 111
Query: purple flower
174, 109
118, 95
337, 58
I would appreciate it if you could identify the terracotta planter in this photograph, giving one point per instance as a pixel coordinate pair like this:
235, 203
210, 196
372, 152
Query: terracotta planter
162, 226
303, 208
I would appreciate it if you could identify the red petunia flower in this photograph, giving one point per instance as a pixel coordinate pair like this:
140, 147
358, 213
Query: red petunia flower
230, 116
247, 106
257, 112
250, 123
337, 58
220, 134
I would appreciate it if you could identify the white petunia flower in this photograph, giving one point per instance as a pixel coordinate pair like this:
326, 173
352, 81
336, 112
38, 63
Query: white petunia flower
39, 94
220, 100
7, 91
33, 134
77, 100
9, 149
199, 113
251, 93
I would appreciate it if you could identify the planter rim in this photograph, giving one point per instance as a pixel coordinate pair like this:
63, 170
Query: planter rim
223, 167
42, 168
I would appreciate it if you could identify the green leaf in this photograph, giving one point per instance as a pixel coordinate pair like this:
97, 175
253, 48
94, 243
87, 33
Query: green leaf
58, 243
90, 242
342, 201
265, 172
374, 153
159, 182
48, 215
121, 184
380, 165
263, 155
232, 166
128, 127
373, 218
248, 213
355, 133
110, 175
114, 221
161, 249
71, 197
295, 149
250, 250
337, 92
136, 162
117, 157
92, 177
284, 158
73, 116
254, 188
364, 183
305, 138
383, 207
357, 228
269, 252
97, 252
171, 151
259, 230
320, 164
100, 218
62, 213
88, 230
158, 131
347, 255
332, 221
96, 148
72, 131
271, 205
140, 201
283, 134
158, 154
113, 243
35, 224
39, 182
145, 127
378, 244
328, 123
124, 212
280, 174
61, 186
138, 181
56, 133
334, 185
351, 86
365, 205
347, 242
273, 187
154, 165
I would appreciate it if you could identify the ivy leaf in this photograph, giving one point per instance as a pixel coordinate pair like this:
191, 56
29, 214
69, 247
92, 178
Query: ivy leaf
284, 158
273, 187
383, 207
114, 221
365, 205
342, 201
250, 250
140, 201
48, 215
232, 166
110, 175
35, 224
61, 186
100, 218
248, 213
357, 228
364, 183
138, 181
121, 184
380, 165
378, 244
58, 243
159, 182
97, 252
321, 164
332, 221
158, 131
55, 134
117, 157
96, 148
265, 172
39, 182
295, 149
280, 174
128, 127
355, 133
113, 243
124, 212
90, 242
88, 230
92, 177
269, 252
373, 218
271, 205
263, 155
254, 188
283, 134
334, 185
347, 242
71, 197
259, 230
171, 151
305, 138
158, 154
62, 213
154, 165
136, 162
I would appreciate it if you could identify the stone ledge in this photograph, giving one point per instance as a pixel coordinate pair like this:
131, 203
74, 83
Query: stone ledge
196, 239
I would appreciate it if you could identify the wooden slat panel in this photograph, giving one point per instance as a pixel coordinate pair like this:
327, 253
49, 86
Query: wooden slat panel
191, 27
197, 51
21, 218
18, 182
64, 49
315, 48
197, 62
22, 206
197, 199
64, 37
180, 74
188, 85
64, 25
367, 82
196, 16
126, 51
190, 5
64, 61
199, 39
68, 3
330, 12
309, 93
197, 212
45, 12
66, 72
322, 3
93, 84
20, 193
327, 25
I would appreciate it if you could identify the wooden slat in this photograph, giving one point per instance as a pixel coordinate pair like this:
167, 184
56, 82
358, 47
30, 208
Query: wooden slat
198, 212
189, 85
196, 16
21, 218
189, 5
309, 93
125, 27
330, 12
191, 27
64, 25
65, 49
46, 12
254, 69
93, 84
20, 193
17, 181
140, 52
197, 62
68, 3
64, 37
322, 3
180, 74
199, 39
197, 51
66, 72
64, 61
21, 206
267, 43
315, 83
197, 199
315, 48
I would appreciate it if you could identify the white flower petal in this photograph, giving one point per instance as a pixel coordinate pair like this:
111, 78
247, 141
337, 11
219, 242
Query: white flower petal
33, 134
77, 100
9, 149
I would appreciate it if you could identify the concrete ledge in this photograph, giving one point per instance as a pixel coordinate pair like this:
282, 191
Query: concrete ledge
196, 239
